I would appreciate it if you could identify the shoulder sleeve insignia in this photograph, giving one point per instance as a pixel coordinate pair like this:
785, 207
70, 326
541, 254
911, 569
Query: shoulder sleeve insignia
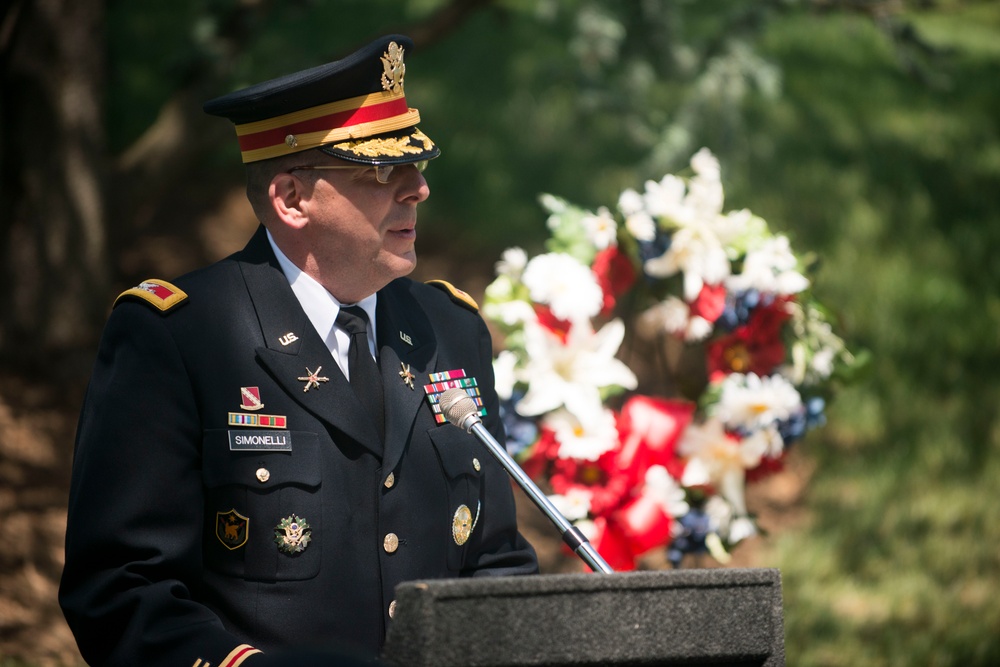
457, 295
160, 293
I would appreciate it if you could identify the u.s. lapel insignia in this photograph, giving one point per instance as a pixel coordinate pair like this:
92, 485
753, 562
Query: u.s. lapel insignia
461, 525
231, 528
405, 337
292, 535
406, 375
440, 382
288, 339
312, 379
251, 398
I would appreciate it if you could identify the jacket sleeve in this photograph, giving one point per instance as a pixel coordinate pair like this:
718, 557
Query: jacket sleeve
133, 543
500, 549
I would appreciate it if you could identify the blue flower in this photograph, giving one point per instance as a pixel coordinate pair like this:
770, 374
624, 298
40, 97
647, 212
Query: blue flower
521, 431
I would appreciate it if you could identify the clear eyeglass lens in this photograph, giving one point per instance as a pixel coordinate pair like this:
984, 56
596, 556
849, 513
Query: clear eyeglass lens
383, 171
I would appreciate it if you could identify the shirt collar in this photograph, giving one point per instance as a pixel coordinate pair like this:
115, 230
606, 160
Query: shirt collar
320, 306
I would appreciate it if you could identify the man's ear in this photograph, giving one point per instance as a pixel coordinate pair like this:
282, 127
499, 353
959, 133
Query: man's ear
286, 194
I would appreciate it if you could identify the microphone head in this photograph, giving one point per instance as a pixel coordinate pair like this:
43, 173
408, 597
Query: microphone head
459, 408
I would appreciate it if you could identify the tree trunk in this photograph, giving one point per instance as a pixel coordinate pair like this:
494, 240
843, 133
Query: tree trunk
53, 240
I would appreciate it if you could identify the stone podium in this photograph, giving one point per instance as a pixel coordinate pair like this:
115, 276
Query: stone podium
677, 617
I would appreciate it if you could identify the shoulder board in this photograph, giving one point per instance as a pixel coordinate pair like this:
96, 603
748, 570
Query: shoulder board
160, 293
457, 295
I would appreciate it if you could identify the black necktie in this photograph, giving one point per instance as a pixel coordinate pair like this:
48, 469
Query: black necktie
365, 377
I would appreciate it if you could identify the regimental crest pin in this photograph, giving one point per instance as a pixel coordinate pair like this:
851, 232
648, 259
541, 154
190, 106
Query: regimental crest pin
250, 398
232, 529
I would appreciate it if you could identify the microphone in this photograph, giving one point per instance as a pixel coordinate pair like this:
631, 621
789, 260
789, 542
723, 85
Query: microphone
460, 410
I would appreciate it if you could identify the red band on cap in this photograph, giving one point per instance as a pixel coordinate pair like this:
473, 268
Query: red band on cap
349, 118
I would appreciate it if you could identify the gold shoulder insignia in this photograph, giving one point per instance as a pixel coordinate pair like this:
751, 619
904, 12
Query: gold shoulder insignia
160, 293
457, 295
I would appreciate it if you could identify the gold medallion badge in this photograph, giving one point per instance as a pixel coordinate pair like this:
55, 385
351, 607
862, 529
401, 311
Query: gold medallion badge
461, 525
292, 535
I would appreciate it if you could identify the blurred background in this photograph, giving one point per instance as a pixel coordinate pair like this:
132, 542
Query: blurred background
866, 130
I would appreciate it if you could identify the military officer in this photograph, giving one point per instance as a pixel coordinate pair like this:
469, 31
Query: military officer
260, 458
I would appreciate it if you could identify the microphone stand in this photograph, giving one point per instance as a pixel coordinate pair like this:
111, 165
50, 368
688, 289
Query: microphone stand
457, 411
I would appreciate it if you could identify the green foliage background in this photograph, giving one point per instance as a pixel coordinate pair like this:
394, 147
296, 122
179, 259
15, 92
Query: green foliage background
871, 137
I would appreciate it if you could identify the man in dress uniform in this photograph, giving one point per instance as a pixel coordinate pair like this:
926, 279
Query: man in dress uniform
260, 458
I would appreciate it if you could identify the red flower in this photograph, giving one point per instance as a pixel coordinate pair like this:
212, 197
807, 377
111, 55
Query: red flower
710, 302
614, 273
644, 524
545, 449
755, 347
558, 327
613, 545
648, 430
767, 466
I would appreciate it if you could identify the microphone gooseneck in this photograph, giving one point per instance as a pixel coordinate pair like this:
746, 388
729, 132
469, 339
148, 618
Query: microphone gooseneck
460, 410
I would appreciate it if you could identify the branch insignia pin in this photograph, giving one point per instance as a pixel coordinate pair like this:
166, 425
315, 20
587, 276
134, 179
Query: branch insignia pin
406, 375
312, 379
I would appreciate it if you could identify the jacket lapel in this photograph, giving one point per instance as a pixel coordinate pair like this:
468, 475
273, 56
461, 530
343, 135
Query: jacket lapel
407, 347
293, 349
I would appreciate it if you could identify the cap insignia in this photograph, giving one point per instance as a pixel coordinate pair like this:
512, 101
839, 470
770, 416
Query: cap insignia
395, 70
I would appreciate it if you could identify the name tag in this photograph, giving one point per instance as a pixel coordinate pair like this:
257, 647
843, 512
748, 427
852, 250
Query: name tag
249, 441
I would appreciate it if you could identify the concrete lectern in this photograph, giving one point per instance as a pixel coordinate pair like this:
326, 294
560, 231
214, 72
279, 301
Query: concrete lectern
677, 617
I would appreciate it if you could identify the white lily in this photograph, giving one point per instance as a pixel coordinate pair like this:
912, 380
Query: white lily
715, 458
565, 285
770, 267
571, 374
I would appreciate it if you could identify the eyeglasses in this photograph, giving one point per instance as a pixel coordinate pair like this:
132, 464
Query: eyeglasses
382, 171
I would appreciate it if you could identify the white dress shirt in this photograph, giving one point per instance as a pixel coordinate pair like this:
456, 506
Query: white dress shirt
322, 308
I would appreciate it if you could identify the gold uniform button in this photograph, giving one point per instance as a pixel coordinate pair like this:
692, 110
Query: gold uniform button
390, 480
390, 543
475, 464
263, 474
392, 609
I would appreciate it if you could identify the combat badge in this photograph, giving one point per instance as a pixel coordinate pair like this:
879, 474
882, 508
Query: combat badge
292, 535
231, 528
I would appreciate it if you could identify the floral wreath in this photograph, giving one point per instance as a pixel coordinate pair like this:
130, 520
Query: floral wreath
638, 471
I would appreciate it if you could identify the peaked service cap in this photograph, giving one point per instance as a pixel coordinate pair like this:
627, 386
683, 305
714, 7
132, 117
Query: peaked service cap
353, 109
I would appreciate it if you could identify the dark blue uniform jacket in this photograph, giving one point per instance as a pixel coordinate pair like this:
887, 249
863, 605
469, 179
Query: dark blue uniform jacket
172, 553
